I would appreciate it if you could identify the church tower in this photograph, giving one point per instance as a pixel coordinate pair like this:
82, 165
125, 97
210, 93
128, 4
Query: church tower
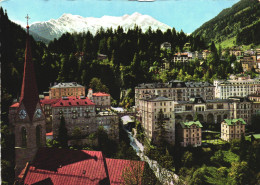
26, 117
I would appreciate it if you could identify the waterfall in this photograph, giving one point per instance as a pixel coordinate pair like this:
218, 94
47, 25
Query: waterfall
164, 176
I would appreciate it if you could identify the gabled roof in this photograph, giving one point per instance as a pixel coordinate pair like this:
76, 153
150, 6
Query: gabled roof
100, 94
63, 166
73, 101
234, 121
76, 167
190, 123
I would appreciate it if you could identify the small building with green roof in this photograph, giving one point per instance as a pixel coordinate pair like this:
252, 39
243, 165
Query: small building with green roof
255, 137
190, 133
232, 129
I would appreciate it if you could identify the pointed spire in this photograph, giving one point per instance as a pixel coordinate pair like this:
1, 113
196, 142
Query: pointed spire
29, 92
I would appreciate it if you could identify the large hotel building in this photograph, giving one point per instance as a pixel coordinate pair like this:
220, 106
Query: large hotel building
237, 86
183, 102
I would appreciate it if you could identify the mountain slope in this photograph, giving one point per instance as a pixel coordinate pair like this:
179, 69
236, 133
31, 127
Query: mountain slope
241, 22
74, 23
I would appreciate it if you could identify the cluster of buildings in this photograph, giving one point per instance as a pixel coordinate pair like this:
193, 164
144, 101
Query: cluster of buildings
82, 112
184, 102
37, 164
249, 59
86, 113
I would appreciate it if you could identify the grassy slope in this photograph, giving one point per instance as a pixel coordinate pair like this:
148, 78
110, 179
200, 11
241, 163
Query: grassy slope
227, 24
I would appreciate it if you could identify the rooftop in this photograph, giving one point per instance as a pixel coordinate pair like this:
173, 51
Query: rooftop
256, 136
66, 85
100, 94
73, 101
174, 84
190, 123
75, 167
234, 121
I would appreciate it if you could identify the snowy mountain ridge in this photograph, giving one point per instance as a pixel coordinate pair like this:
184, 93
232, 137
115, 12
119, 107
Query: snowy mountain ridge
54, 28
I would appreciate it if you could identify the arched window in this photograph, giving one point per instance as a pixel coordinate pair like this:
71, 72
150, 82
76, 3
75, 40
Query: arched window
38, 135
24, 138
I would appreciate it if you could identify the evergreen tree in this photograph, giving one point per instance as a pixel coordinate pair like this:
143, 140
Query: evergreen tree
63, 133
161, 133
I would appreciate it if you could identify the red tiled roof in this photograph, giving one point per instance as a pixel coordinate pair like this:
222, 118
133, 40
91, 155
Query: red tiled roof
49, 134
100, 94
15, 105
121, 171
29, 92
75, 167
72, 101
49, 101
63, 166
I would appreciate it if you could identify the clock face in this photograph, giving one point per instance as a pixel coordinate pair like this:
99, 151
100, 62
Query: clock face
38, 113
22, 114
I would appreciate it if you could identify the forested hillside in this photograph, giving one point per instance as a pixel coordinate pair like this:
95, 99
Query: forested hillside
241, 22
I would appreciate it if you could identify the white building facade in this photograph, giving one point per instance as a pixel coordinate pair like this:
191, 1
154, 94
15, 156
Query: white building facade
236, 87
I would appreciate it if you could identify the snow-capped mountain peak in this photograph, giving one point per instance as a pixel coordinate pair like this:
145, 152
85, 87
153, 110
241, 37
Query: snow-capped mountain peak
54, 28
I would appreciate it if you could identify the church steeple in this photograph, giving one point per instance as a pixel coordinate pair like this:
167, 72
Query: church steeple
29, 92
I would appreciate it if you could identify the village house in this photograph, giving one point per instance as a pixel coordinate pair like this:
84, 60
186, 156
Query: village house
189, 133
232, 129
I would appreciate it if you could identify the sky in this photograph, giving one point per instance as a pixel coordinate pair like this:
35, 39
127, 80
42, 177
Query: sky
187, 15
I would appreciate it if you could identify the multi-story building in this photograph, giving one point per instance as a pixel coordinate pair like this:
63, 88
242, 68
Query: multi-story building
248, 63
235, 87
175, 90
236, 52
180, 57
47, 109
241, 108
77, 112
66, 89
149, 113
187, 56
189, 133
232, 129
101, 99
80, 112
109, 121
207, 111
